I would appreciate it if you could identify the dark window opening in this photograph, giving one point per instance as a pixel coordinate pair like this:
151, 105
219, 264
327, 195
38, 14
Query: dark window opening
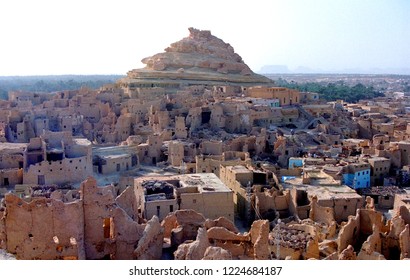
54, 156
259, 178
205, 117
41, 180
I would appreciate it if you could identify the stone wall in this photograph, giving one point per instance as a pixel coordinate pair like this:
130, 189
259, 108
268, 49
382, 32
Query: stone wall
92, 227
51, 229
211, 205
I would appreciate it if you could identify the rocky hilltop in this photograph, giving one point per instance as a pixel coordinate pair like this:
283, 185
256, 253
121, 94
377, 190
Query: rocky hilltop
202, 57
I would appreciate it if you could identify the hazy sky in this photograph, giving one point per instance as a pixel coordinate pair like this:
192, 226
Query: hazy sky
111, 37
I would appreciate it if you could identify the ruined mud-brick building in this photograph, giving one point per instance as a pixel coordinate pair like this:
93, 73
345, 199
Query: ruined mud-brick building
115, 159
57, 158
284, 96
195, 238
198, 108
365, 236
11, 163
202, 192
92, 227
329, 193
244, 183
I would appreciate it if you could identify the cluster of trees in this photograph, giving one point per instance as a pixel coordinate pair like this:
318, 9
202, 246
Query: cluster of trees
53, 83
334, 91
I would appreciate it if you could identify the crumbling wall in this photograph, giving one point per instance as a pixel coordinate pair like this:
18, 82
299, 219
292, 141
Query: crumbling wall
168, 224
194, 250
236, 244
404, 213
349, 233
370, 218
125, 234
259, 237
324, 220
347, 254
390, 241
321, 214
193, 120
150, 244
217, 116
98, 206
3, 236
360, 227
405, 243
182, 225
293, 202
93, 227
265, 203
127, 200
299, 205
51, 229
10, 160
221, 222
343, 208
180, 128
14, 176
175, 153
371, 248
216, 253
252, 245
211, 148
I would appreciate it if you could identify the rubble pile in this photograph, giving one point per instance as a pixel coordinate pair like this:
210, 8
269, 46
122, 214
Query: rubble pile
289, 238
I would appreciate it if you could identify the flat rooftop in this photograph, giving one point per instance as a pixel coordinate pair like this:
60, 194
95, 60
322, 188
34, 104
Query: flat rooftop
374, 158
12, 147
113, 150
82, 141
324, 192
316, 181
239, 169
116, 156
205, 182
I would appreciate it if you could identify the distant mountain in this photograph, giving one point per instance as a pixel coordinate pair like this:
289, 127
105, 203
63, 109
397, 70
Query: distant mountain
274, 69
